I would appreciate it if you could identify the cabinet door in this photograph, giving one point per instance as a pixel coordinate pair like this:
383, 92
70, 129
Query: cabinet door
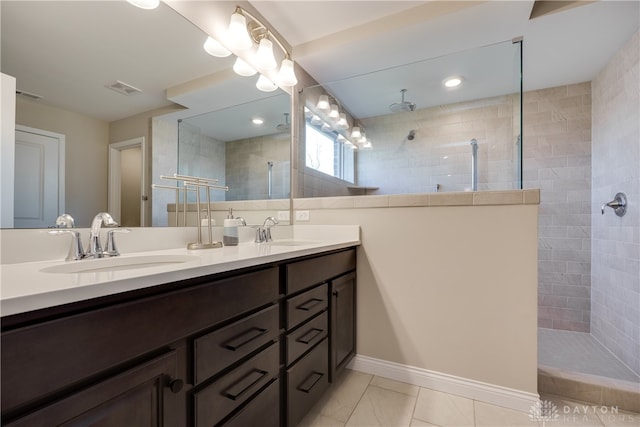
343, 322
142, 396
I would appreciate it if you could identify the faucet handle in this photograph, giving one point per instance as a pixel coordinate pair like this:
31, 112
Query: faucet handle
65, 221
111, 249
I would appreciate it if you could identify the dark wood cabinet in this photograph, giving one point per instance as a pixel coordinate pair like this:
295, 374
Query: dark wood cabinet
343, 322
252, 347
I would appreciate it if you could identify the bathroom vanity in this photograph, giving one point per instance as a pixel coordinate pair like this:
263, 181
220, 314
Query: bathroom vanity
255, 345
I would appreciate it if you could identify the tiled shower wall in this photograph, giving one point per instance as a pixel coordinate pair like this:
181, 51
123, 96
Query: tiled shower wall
557, 159
440, 153
615, 291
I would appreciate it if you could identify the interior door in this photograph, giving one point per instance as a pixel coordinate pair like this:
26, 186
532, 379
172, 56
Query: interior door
39, 178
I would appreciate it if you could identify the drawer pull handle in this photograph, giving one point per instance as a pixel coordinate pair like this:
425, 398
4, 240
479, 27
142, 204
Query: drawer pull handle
308, 305
310, 336
244, 338
310, 382
244, 384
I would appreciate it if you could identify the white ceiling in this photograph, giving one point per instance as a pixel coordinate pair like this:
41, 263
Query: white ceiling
332, 40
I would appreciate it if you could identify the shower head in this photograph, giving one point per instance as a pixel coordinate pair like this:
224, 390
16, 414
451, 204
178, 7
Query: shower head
402, 106
286, 126
412, 135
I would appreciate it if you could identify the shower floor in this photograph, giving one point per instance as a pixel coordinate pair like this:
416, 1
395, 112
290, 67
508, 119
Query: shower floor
580, 352
575, 365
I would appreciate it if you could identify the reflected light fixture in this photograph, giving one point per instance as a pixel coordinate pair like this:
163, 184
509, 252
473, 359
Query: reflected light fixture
342, 121
323, 103
334, 113
214, 48
145, 4
355, 133
243, 69
265, 85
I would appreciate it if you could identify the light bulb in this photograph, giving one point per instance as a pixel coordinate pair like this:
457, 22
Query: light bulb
237, 34
265, 85
264, 57
287, 75
243, 69
145, 4
214, 48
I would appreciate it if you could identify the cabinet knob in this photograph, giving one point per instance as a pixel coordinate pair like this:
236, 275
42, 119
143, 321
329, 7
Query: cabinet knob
175, 385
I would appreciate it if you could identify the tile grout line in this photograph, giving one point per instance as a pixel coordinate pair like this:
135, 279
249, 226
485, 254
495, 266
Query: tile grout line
359, 400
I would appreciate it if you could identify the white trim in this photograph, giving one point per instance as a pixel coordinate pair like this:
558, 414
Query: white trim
61, 160
115, 148
472, 389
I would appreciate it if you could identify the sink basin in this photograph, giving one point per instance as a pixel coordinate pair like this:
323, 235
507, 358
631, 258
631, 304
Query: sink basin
117, 263
291, 243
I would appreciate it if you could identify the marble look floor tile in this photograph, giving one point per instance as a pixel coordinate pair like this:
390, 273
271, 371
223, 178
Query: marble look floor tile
411, 390
314, 419
382, 407
493, 416
443, 409
343, 396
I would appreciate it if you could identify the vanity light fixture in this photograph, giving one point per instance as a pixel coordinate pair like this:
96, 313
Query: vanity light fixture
334, 113
323, 103
342, 121
265, 85
243, 69
451, 82
145, 4
355, 133
214, 48
241, 35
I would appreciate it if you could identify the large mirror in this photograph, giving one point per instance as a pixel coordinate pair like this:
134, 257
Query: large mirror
98, 77
403, 130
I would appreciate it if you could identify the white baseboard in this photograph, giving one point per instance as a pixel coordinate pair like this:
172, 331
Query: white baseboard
472, 389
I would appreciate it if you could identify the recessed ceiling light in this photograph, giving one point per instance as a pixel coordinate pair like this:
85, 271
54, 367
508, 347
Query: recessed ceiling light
257, 121
451, 82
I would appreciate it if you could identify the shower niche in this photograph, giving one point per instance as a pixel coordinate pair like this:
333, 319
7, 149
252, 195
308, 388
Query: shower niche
403, 130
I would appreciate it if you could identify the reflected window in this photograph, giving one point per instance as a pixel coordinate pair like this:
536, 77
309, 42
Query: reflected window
327, 155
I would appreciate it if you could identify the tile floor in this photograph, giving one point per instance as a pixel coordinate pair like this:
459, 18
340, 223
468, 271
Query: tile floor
359, 399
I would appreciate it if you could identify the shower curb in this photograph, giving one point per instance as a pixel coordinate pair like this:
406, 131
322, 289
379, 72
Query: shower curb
589, 388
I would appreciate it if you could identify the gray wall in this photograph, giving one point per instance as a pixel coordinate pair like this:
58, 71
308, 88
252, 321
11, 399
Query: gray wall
615, 305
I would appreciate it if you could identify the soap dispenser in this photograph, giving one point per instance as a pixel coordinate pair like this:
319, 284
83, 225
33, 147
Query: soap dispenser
230, 232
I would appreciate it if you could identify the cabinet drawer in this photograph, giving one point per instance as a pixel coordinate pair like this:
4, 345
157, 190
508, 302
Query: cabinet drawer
302, 274
216, 401
307, 305
307, 380
306, 336
217, 350
263, 411
40, 359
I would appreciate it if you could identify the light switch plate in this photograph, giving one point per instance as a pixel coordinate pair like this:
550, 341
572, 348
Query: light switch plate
283, 216
302, 215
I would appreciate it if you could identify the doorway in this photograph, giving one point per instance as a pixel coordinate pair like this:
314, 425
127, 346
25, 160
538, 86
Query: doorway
127, 196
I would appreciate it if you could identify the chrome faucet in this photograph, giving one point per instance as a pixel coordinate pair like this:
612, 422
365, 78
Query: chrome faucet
263, 233
95, 248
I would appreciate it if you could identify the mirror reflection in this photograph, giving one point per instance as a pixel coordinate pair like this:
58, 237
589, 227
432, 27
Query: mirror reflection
100, 91
409, 129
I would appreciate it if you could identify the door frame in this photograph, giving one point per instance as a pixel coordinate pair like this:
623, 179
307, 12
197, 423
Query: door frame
61, 159
115, 181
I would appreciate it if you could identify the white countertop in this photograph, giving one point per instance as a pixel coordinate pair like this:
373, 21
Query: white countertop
25, 287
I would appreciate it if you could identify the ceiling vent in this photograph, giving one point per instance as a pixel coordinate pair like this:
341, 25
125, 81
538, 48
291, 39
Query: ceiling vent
29, 95
123, 88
